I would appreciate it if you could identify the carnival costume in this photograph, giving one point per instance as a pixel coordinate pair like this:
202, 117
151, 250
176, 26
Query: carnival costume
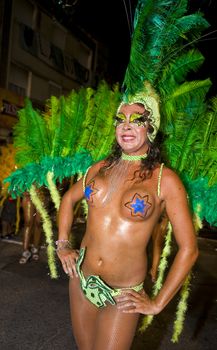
162, 53
96, 290
62, 142
75, 133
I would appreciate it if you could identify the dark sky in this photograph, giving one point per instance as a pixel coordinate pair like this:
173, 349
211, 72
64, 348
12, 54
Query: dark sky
106, 20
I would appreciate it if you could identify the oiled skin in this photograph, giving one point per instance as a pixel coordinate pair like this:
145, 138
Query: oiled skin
116, 240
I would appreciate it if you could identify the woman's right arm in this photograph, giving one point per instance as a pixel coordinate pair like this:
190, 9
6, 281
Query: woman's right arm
66, 255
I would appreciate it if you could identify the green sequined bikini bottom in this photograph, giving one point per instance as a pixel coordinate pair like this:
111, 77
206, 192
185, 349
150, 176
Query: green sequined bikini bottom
97, 291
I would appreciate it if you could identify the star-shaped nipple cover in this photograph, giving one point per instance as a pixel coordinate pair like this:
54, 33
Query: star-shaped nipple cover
139, 205
90, 190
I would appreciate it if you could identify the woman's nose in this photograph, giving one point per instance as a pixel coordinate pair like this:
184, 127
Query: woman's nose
126, 125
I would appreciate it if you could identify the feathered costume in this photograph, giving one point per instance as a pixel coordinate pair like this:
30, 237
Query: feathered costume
62, 142
74, 133
162, 54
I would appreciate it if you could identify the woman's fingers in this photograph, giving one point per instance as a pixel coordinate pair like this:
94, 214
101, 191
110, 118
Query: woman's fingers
65, 267
131, 295
69, 267
68, 259
133, 302
127, 300
72, 266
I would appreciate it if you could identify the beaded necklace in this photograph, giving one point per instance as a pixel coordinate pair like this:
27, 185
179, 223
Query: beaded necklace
132, 158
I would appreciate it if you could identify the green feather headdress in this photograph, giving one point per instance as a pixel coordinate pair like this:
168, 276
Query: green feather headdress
162, 31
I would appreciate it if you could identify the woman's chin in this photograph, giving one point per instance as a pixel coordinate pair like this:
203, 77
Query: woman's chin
128, 146
129, 149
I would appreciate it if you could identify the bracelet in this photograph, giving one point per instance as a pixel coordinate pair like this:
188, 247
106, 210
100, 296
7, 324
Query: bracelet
61, 241
63, 244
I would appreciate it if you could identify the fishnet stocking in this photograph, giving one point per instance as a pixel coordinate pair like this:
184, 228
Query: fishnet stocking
99, 329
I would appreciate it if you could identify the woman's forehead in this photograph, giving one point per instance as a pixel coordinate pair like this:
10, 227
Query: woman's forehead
132, 108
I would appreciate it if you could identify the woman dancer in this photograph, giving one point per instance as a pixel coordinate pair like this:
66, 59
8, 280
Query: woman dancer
126, 194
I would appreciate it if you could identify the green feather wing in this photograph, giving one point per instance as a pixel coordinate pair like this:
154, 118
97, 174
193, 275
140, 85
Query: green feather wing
185, 99
98, 124
182, 119
107, 138
207, 160
89, 120
57, 124
31, 137
75, 109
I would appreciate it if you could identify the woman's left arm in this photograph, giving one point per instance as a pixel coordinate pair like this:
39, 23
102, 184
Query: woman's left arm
174, 195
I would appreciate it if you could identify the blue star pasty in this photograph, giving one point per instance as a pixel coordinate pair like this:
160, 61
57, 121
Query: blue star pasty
139, 205
90, 190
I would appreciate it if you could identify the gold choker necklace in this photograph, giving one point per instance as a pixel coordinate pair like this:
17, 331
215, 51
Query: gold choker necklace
133, 158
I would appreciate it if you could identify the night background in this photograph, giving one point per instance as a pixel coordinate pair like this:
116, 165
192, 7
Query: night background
55, 48
109, 21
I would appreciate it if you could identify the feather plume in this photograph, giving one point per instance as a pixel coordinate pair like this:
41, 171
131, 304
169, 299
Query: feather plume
160, 32
75, 108
31, 138
22, 179
176, 71
64, 117
97, 128
47, 227
161, 54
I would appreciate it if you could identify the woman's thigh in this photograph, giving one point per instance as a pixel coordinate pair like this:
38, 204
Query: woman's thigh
83, 316
115, 330
96, 329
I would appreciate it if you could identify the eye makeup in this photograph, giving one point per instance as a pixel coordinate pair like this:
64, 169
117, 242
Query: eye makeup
135, 119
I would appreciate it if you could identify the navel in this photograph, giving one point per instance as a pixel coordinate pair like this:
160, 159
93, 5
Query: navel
99, 262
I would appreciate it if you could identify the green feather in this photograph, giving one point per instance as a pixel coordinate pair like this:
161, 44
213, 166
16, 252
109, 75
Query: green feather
160, 32
98, 125
31, 138
75, 109
202, 195
22, 179
88, 120
107, 137
57, 124
207, 155
176, 71
162, 54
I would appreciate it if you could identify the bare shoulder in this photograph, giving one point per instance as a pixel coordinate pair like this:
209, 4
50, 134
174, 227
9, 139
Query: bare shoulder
94, 169
170, 175
171, 184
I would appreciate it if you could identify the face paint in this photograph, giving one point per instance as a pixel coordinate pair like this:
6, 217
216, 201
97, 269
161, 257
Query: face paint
135, 119
130, 134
